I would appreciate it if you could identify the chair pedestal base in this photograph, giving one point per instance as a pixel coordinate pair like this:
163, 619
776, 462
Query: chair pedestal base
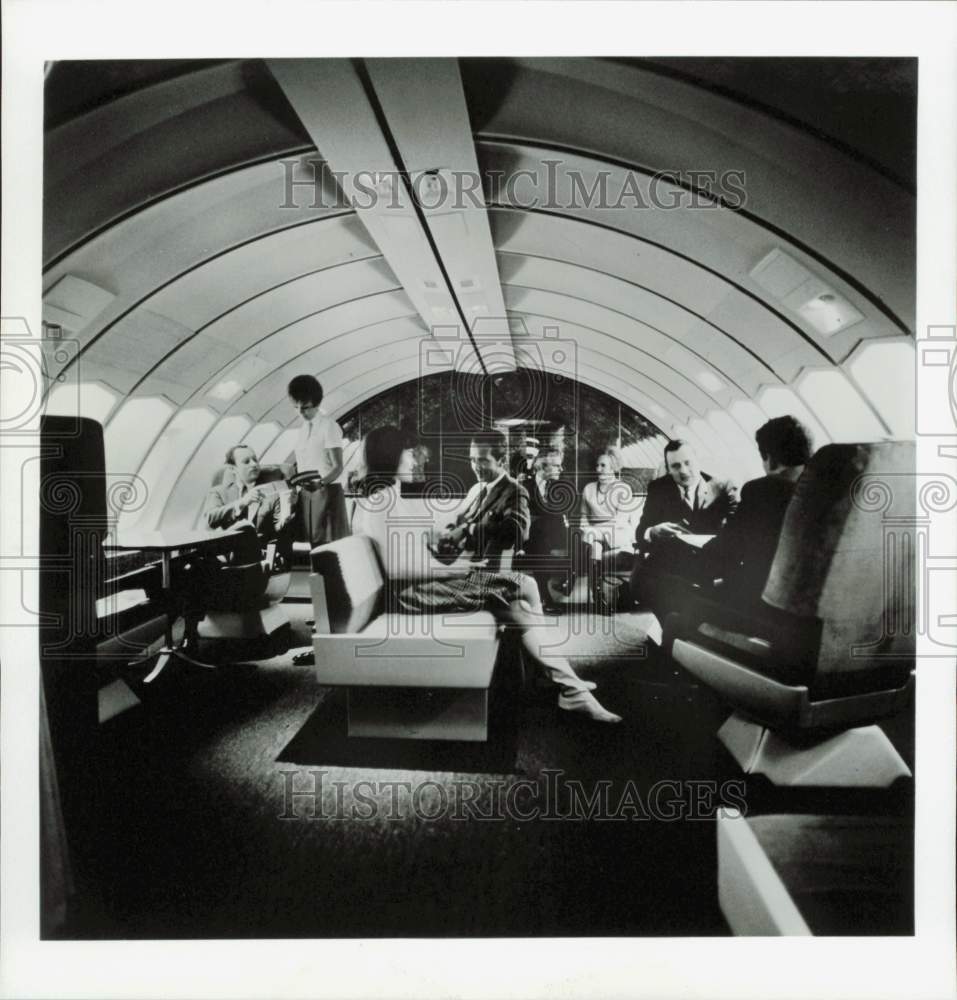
419, 713
857, 758
243, 624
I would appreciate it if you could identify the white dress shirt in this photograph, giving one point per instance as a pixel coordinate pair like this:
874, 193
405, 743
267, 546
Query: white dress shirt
315, 437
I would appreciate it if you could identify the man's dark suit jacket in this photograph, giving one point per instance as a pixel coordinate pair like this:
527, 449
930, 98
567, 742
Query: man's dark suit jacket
743, 552
718, 501
498, 522
548, 531
661, 579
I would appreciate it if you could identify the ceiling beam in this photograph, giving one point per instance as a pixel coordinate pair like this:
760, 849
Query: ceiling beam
423, 101
365, 124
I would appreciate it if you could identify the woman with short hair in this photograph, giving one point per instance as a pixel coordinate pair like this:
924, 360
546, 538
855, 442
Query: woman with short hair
318, 449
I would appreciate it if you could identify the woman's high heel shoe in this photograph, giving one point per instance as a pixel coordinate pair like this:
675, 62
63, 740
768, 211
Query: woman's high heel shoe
586, 703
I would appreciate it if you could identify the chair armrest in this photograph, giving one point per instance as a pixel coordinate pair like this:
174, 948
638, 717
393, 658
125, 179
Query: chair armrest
758, 635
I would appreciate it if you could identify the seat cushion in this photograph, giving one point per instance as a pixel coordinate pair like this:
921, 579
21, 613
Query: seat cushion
846, 874
399, 650
353, 579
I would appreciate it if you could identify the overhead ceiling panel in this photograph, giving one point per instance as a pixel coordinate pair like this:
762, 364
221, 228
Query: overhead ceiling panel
215, 287
438, 151
621, 337
330, 99
222, 115
787, 177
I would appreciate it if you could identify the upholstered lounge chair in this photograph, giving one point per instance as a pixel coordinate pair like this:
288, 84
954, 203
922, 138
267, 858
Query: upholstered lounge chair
830, 648
246, 602
424, 676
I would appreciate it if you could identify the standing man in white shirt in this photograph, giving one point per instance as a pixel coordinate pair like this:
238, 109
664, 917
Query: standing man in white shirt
318, 448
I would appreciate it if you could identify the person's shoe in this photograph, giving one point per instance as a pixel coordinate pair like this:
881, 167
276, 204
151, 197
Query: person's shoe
587, 704
190, 645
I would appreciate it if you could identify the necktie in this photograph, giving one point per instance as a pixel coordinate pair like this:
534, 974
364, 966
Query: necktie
253, 509
483, 493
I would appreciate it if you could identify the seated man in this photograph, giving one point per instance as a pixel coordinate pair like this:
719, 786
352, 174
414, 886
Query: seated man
685, 501
495, 517
547, 502
237, 498
547, 532
522, 465
742, 553
235, 502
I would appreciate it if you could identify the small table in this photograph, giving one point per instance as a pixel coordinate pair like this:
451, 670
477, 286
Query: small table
169, 543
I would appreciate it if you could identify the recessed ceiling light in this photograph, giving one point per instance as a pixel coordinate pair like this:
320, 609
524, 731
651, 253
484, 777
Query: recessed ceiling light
710, 381
225, 390
828, 313
789, 281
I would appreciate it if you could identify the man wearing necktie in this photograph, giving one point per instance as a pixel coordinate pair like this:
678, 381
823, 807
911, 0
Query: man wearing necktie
239, 499
683, 501
495, 516
236, 501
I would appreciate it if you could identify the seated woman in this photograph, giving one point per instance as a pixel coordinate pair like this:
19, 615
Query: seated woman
606, 522
607, 506
425, 585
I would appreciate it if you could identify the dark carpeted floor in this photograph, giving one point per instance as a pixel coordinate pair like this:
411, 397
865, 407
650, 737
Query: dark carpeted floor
230, 804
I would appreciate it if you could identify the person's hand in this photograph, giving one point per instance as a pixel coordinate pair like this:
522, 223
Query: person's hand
248, 499
667, 529
457, 535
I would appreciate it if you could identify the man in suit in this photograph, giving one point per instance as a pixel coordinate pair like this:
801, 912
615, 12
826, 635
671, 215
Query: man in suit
237, 498
742, 553
547, 531
495, 517
236, 501
523, 462
683, 501
548, 502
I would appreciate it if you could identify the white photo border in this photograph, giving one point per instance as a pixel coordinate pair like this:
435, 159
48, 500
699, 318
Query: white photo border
923, 966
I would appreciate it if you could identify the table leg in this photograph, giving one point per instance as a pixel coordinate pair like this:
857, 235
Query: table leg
169, 651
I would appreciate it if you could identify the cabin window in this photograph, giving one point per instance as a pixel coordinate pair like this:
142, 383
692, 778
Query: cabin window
194, 480
96, 401
839, 406
884, 371
261, 437
160, 469
779, 401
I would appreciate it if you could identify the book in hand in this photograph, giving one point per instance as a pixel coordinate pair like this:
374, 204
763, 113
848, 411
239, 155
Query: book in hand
696, 540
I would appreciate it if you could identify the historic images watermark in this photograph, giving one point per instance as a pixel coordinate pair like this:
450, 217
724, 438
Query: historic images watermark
313, 184
553, 796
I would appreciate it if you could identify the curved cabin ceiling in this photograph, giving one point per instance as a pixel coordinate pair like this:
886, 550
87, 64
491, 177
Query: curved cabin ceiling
211, 229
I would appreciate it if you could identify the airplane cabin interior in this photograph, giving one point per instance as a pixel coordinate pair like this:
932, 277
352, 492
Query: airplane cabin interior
544, 284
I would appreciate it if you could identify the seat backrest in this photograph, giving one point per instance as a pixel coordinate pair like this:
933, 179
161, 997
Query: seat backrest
834, 560
74, 510
354, 582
